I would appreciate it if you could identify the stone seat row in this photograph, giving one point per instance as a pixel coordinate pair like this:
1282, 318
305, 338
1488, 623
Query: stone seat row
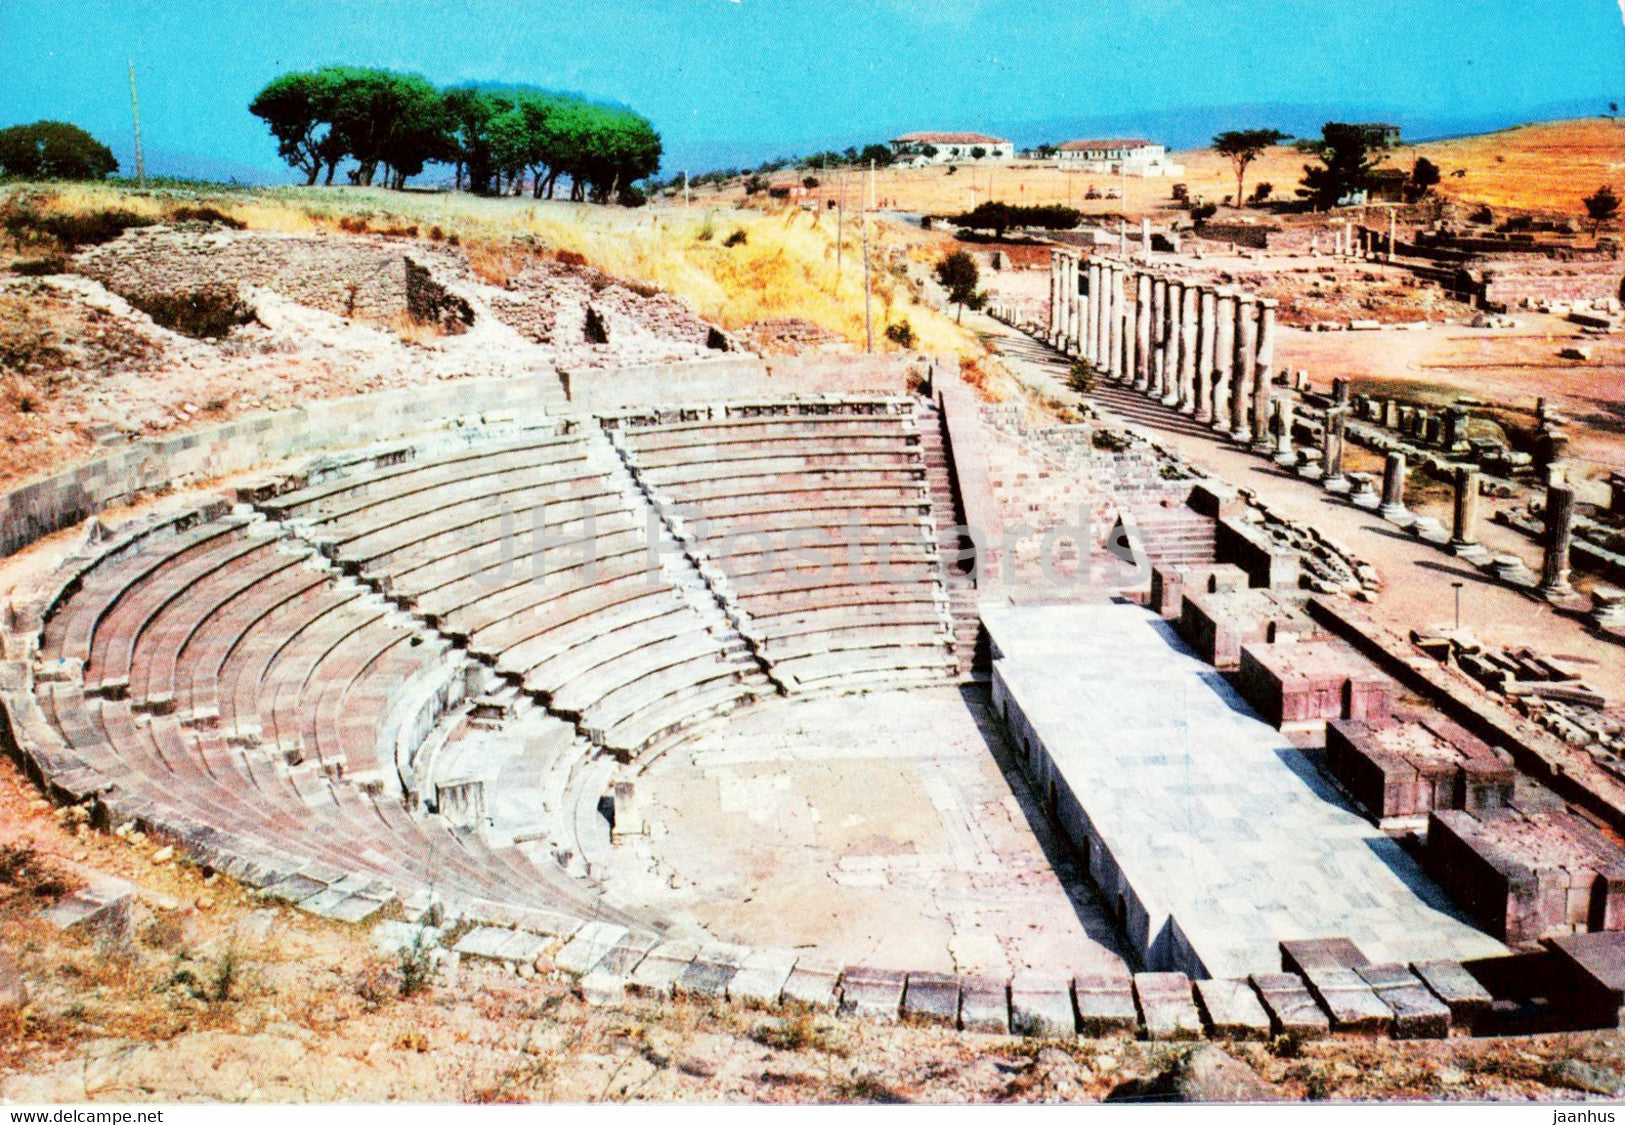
813, 556
1324, 988
187, 765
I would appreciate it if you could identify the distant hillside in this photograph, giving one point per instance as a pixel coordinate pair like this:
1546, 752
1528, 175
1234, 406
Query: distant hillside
1548, 166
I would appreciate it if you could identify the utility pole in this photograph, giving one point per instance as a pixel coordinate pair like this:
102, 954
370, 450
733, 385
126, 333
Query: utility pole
868, 321
840, 233
135, 112
685, 189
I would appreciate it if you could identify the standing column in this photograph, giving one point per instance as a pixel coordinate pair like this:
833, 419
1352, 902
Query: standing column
1264, 374
1079, 300
1097, 307
1241, 369
1464, 526
1190, 305
1554, 568
1224, 354
1331, 450
1120, 323
1393, 488
1284, 454
1142, 331
1108, 313
1051, 334
1205, 369
1159, 326
1145, 240
1091, 295
1072, 298
1393, 231
1170, 342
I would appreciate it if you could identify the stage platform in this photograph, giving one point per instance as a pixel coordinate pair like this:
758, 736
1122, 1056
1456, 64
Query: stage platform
1210, 836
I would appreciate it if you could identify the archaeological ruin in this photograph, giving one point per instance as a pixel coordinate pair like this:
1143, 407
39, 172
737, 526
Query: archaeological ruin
816, 680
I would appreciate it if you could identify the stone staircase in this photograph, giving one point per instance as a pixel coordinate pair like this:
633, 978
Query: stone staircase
1176, 536
957, 575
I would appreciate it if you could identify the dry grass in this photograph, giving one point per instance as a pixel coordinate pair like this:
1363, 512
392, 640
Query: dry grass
785, 264
1546, 167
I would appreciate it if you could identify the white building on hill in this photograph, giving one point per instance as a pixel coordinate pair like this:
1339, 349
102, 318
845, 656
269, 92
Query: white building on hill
947, 148
1118, 157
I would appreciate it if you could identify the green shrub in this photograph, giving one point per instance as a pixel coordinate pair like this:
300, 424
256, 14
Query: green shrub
205, 313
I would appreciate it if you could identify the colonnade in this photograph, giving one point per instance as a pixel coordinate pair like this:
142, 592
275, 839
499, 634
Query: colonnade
1205, 350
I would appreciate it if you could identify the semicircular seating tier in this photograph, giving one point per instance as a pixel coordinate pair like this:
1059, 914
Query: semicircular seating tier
290, 687
222, 685
817, 529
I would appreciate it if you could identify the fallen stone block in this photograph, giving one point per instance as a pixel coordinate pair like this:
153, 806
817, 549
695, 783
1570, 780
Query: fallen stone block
1166, 1007
1292, 1010
760, 980
1469, 1002
1353, 1005
812, 986
710, 973
984, 1005
1105, 1005
590, 945
106, 907
872, 994
1418, 1014
1230, 1009
1321, 953
931, 998
628, 953
657, 973
1041, 1006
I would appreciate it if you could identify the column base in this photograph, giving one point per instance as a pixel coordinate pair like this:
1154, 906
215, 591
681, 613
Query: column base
1203, 418
1340, 485
1286, 458
1472, 552
1241, 437
1395, 513
1169, 400
1264, 446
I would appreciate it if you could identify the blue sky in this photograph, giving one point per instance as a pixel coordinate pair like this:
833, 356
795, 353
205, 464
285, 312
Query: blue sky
738, 81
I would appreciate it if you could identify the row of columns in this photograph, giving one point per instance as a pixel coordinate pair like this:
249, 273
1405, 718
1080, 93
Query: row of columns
1207, 351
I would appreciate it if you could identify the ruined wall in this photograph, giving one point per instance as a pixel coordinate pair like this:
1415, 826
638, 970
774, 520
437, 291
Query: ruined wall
593, 318
348, 276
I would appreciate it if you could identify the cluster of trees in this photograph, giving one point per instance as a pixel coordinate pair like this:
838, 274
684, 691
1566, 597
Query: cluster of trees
999, 217
393, 125
53, 150
1349, 155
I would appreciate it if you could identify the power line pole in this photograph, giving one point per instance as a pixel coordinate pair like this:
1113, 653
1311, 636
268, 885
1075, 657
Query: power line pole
868, 321
840, 234
135, 112
685, 189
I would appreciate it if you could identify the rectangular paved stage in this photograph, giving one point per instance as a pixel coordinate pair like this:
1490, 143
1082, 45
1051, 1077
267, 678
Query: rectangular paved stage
1212, 837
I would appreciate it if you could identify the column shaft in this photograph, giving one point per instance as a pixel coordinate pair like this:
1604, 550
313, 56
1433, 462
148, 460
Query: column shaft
1263, 373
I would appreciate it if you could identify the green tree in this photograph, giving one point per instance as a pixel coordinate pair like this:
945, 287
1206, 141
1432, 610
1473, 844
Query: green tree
295, 108
1242, 147
53, 150
881, 155
1601, 205
1424, 178
1348, 155
959, 275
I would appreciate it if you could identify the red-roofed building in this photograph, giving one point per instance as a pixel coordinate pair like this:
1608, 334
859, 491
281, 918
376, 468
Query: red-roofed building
945, 148
1118, 157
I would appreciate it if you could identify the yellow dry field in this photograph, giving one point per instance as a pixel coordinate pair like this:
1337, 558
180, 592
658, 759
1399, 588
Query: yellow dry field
1547, 167
785, 264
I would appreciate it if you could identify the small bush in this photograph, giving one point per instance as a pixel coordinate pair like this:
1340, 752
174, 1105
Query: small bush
737, 238
415, 964
25, 224
204, 314
205, 215
901, 334
40, 267
224, 978
353, 224
571, 258
1080, 378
